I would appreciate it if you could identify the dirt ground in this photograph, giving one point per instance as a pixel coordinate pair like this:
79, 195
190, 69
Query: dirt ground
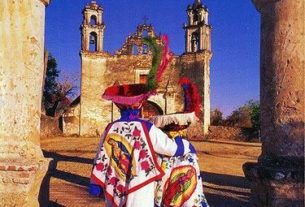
220, 163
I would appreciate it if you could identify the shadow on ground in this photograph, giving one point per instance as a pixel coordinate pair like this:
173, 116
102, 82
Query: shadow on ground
44, 194
220, 190
226, 190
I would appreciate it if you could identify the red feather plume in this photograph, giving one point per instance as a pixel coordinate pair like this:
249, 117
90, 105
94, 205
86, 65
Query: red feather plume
166, 57
192, 99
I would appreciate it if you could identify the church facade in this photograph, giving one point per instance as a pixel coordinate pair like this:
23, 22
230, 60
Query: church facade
89, 114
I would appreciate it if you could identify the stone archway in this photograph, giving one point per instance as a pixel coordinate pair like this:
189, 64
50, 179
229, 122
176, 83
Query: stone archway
151, 109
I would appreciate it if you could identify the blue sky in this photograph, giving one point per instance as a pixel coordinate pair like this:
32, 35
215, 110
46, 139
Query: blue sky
235, 39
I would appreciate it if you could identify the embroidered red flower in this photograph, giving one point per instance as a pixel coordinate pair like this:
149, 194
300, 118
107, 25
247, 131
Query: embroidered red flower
109, 171
136, 132
143, 154
145, 165
100, 166
120, 188
113, 181
137, 145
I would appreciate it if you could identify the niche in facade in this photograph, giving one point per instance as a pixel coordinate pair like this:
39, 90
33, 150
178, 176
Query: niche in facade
93, 42
93, 20
195, 42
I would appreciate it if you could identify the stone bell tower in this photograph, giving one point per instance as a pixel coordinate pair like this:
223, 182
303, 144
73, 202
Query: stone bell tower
93, 64
195, 62
92, 28
197, 30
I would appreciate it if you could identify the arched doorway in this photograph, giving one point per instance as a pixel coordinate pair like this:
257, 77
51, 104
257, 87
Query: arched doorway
150, 109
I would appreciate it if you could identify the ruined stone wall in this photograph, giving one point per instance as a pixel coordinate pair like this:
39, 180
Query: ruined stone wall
94, 113
174, 94
123, 68
70, 121
99, 74
49, 127
196, 66
101, 71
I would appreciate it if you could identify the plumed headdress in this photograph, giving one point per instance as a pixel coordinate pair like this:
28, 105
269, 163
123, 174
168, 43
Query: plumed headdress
131, 94
192, 99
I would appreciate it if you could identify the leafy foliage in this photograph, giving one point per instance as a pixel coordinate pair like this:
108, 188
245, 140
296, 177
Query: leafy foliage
156, 60
247, 116
216, 117
240, 118
255, 115
55, 94
52, 74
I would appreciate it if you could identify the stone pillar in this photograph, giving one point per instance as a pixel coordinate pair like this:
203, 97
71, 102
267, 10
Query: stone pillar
278, 177
22, 165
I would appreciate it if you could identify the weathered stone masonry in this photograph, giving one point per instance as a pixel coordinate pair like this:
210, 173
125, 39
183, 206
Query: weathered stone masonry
22, 165
277, 180
131, 64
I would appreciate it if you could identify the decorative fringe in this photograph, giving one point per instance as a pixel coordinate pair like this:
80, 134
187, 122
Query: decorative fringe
178, 119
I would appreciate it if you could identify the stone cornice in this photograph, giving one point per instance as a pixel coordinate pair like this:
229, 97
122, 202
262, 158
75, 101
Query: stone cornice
260, 4
45, 2
94, 55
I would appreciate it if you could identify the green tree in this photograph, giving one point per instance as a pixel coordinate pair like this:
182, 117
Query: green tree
255, 115
239, 118
246, 116
50, 85
55, 94
216, 117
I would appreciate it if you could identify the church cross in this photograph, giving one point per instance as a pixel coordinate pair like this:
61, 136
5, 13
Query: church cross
145, 19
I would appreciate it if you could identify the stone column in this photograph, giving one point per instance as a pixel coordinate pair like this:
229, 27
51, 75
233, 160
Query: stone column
22, 165
278, 177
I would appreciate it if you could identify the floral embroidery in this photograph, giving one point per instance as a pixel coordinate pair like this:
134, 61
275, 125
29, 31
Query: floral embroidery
145, 165
113, 181
137, 145
136, 132
109, 171
143, 154
100, 167
121, 188
125, 160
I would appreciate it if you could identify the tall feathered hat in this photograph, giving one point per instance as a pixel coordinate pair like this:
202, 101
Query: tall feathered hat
192, 110
192, 99
135, 94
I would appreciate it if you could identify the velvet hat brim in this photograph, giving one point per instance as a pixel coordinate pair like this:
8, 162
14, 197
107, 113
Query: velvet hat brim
128, 94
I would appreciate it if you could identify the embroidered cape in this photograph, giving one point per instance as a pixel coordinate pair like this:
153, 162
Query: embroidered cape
125, 161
